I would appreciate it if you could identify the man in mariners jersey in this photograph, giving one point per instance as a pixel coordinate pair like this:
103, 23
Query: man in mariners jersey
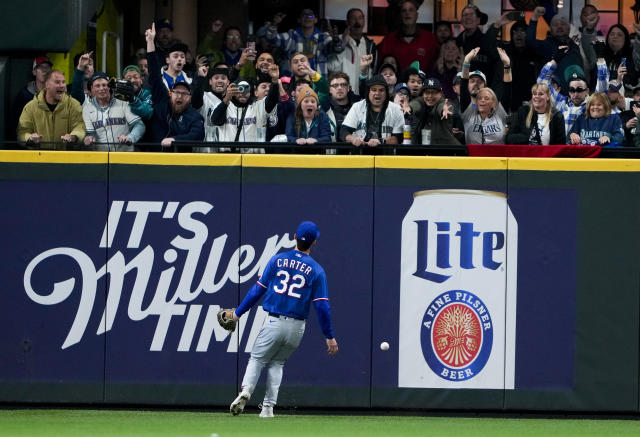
289, 283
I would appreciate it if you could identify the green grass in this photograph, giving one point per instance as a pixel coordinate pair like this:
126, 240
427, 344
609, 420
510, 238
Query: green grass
121, 423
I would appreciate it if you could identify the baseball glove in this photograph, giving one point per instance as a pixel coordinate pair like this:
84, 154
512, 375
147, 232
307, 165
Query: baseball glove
225, 319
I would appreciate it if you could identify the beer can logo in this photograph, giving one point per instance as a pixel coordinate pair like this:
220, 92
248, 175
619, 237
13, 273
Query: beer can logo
457, 335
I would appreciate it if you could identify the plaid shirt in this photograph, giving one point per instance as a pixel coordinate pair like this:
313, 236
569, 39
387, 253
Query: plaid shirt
317, 47
562, 103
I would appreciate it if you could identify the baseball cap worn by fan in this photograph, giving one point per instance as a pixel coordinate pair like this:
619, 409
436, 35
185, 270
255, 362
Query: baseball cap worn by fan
41, 60
183, 84
479, 74
432, 84
164, 22
307, 232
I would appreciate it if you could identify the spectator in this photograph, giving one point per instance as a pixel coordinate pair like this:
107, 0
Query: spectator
52, 117
301, 69
173, 119
558, 36
615, 93
212, 41
525, 65
207, 101
414, 81
629, 118
239, 115
164, 39
393, 12
401, 96
277, 124
598, 126
432, 124
410, 43
388, 72
447, 66
232, 52
175, 62
374, 120
485, 122
356, 45
140, 101
589, 18
84, 71
342, 99
617, 49
249, 67
308, 124
109, 123
442, 31
41, 67
574, 105
316, 46
389, 59
537, 123
143, 65
472, 36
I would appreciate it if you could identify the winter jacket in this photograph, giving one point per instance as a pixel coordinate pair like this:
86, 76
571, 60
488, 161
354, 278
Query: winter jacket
320, 129
65, 119
519, 133
187, 126
430, 117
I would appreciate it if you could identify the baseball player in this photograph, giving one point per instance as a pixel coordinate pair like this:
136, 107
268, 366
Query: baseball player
289, 283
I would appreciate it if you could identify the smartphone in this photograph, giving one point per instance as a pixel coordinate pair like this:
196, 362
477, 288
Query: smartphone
251, 42
635, 104
623, 62
515, 15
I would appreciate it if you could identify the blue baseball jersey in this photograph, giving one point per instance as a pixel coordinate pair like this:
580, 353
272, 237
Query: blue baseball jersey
292, 280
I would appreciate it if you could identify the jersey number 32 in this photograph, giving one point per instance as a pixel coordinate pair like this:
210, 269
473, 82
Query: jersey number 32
289, 284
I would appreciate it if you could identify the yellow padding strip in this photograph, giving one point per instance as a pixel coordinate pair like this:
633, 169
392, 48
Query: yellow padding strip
307, 161
54, 157
574, 164
441, 162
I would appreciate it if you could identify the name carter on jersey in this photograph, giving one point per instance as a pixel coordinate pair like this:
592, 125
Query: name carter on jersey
293, 264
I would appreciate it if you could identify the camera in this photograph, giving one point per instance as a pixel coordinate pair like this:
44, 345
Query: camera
122, 89
243, 87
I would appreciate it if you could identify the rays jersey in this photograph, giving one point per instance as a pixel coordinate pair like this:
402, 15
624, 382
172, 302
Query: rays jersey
292, 281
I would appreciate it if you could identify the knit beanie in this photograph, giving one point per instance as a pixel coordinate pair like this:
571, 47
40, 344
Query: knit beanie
306, 92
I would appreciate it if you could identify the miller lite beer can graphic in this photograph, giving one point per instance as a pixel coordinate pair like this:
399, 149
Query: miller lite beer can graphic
458, 291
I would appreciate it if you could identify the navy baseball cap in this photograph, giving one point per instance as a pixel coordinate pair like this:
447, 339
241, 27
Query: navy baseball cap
308, 232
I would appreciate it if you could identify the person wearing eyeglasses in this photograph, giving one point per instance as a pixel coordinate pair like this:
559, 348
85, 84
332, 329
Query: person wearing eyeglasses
173, 120
307, 39
572, 105
342, 99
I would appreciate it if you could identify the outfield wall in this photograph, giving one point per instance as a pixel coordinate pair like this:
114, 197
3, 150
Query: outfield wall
503, 284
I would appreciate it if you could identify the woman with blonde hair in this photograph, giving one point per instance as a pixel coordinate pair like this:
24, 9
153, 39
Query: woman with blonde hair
486, 121
598, 126
539, 123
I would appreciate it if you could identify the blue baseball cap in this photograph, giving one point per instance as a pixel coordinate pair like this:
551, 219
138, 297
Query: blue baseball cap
308, 232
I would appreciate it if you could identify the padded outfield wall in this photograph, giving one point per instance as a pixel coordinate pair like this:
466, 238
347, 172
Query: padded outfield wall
503, 284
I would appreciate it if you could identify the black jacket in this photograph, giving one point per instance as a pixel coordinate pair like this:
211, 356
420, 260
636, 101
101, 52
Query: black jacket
519, 133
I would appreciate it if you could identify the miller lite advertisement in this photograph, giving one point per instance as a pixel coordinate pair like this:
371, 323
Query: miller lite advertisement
458, 291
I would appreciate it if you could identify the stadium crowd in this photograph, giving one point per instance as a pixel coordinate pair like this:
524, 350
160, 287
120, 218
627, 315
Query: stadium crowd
577, 86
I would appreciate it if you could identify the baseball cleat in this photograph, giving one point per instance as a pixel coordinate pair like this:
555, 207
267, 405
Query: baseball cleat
237, 406
267, 411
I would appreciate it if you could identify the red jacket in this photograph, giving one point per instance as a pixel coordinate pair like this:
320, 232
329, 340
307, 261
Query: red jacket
423, 48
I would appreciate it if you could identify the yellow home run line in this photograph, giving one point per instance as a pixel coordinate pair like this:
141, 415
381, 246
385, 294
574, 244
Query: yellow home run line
323, 161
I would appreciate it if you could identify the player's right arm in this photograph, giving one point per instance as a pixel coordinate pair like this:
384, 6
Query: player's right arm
323, 310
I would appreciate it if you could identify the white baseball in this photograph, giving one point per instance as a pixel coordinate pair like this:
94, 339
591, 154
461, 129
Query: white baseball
384, 346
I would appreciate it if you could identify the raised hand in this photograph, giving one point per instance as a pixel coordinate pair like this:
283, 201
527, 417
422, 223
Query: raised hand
203, 66
538, 12
472, 54
274, 73
446, 110
150, 34
84, 61
504, 57
365, 63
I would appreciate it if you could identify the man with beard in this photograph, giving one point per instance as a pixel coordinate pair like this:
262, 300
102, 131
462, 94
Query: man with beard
410, 43
374, 120
558, 36
164, 38
207, 101
109, 122
52, 116
140, 102
173, 117
342, 98
239, 115
356, 45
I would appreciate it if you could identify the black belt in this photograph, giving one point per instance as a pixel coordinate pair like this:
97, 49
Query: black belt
277, 316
